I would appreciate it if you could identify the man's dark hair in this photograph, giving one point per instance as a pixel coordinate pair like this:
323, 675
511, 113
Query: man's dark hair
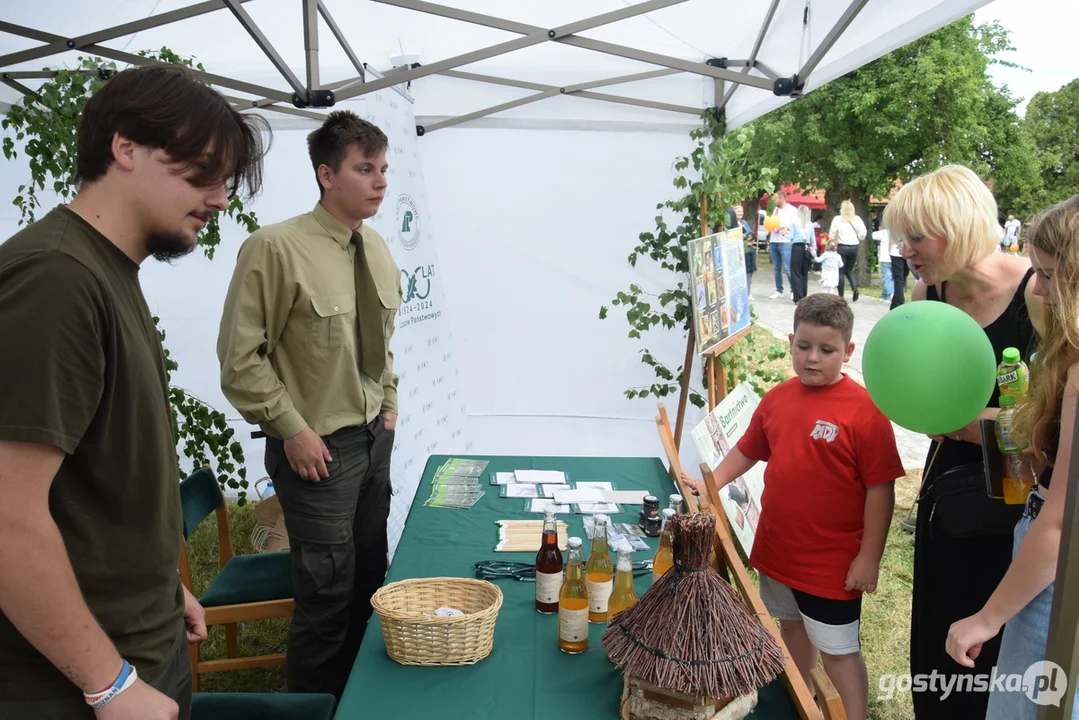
824, 310
342, 129
168, 108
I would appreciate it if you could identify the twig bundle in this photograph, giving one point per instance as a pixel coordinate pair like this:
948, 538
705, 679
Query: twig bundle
690, 632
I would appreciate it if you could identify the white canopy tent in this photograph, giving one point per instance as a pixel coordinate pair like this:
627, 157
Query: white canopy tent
549, 132
544, 163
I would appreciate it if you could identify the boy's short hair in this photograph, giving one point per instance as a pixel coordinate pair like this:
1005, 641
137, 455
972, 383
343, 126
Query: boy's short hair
167, 108
824, 310
343, 128
951, 203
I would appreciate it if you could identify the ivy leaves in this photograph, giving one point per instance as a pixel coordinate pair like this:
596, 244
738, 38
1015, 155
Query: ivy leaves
723, 172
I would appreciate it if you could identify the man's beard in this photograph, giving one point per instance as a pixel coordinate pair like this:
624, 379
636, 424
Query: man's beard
167, 246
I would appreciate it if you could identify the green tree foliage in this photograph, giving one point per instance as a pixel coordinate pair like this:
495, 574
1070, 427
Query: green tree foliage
926, 104
44, 128
1052, 121
719, 168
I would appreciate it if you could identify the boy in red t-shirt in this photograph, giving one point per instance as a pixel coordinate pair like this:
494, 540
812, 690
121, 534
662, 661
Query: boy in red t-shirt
829, 492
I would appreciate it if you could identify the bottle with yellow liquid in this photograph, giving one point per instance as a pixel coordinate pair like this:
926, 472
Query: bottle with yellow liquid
573, 604
1013, 376
664, 559
623, 596
1019, 475
599, 573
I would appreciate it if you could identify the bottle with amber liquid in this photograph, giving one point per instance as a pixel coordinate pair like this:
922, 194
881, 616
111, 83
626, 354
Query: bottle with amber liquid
664, 559
623, 596
573, 604
548, 565
599, 573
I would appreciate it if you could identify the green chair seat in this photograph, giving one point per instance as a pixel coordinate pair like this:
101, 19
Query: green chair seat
261, 706
251, 578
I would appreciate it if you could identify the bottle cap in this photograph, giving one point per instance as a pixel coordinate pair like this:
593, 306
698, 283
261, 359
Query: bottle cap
551, 509
669, 513
1010, 355
676, 499
600, 517
1007, 400
574, 542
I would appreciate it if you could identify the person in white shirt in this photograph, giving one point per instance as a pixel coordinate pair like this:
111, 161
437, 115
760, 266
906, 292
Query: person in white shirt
779, 243
848, 230
1011, 233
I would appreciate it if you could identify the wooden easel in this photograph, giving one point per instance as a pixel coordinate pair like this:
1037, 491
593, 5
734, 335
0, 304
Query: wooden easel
726, 558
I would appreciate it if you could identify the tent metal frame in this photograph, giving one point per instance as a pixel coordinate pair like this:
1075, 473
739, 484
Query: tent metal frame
303, 96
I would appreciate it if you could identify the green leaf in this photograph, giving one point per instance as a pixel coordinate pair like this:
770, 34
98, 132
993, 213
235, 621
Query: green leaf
603, 313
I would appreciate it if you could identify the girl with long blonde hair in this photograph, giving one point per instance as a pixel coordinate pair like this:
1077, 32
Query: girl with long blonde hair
1024, 598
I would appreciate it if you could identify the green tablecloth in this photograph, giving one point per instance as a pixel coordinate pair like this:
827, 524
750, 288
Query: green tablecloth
526, 675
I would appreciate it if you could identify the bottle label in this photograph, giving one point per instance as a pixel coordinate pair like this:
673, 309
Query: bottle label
1009, 377
598, 595
547, 586
572, 625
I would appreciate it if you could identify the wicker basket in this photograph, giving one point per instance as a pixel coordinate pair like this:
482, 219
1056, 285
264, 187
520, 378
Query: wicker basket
416, 636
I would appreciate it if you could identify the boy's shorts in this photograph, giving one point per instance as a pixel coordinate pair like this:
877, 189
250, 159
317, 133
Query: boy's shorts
832, 625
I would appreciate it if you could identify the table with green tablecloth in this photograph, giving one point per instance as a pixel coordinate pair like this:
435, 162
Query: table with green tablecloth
526, 675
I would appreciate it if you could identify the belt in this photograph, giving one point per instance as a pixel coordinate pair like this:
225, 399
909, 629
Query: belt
1035, 502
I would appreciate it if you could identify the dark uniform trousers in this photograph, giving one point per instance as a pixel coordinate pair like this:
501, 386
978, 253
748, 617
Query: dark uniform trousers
337, 537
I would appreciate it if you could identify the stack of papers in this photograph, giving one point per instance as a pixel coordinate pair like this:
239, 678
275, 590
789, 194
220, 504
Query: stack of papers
457, 484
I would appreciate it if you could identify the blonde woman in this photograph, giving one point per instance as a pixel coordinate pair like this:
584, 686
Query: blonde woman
848, 230
948, 226
1025, 595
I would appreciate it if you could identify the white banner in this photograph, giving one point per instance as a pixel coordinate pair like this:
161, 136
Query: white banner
432, 410
714, 437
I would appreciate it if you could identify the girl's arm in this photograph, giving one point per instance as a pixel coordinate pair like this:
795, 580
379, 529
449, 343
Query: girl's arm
1035, 563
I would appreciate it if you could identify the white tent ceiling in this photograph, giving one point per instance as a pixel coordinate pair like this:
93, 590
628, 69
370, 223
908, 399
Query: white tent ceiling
782, 37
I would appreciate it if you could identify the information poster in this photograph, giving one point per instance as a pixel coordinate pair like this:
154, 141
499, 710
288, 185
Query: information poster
714, 437
719, 293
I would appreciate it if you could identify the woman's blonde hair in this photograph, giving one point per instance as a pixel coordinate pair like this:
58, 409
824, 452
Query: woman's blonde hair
951, 203
805, 220
1055, 232
846, 211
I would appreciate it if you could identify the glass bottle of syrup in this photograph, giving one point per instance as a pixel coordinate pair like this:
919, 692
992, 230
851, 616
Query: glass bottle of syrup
664, 559
599, 573
548, 565
623, 596
573, 604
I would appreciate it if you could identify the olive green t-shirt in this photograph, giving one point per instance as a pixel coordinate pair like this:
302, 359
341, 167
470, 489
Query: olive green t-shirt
82, 369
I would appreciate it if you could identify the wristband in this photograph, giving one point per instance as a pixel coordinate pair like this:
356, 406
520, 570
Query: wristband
124, 680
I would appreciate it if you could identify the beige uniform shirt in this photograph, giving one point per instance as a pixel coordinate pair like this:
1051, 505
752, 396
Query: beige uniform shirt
288, 342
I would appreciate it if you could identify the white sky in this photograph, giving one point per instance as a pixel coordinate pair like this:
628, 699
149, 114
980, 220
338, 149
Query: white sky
1043, 33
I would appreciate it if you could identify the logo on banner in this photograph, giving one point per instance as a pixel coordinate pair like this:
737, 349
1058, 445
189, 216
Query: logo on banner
408, 222
417, 284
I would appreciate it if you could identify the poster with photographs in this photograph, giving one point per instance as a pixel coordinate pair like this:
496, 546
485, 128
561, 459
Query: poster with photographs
717, 271
714, 437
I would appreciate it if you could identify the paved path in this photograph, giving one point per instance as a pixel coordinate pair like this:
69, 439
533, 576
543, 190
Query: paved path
778, 317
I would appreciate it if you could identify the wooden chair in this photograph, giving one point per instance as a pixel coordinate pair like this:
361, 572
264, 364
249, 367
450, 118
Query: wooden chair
726, 555
246, 587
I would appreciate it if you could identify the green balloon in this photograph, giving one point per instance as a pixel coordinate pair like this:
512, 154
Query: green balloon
929, 367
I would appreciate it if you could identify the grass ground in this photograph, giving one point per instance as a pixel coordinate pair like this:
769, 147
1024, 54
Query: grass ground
885, 613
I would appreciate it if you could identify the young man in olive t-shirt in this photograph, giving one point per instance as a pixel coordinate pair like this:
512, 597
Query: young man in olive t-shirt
93, 617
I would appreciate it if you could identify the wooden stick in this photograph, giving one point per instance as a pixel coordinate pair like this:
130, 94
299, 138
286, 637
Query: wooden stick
687, 373
672, 457
792, 677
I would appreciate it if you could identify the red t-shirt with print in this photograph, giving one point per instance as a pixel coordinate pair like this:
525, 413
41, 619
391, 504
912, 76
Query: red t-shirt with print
823, 446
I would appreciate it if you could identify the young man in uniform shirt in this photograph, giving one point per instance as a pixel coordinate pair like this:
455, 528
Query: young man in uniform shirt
304, 351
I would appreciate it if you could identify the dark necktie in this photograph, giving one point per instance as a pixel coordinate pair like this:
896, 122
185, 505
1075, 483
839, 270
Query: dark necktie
372, 340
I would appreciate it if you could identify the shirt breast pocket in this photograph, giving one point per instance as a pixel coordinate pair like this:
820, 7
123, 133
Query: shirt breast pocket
389, 302
333, 324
